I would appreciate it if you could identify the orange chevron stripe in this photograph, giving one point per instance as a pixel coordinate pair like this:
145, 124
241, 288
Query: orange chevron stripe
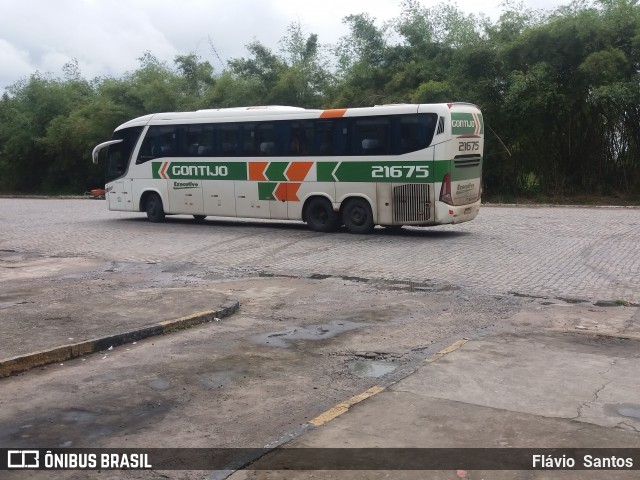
297, 171
333, 113
163, 170
287, 192
256, 171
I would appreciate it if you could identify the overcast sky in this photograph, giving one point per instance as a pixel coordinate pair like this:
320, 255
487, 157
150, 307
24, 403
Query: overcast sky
108, 36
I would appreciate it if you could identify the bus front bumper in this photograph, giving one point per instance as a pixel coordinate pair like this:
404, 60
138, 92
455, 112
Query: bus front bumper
455, 214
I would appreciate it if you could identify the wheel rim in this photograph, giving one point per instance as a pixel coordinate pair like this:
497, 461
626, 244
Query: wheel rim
320, 215
358, 215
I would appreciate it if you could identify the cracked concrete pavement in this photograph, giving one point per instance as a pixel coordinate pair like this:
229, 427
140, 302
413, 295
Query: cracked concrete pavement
538, 390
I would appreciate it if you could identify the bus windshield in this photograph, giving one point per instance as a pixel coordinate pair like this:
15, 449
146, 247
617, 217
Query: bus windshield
119, 154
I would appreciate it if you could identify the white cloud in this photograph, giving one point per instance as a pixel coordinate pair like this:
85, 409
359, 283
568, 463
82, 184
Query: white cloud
108, 36
15, 63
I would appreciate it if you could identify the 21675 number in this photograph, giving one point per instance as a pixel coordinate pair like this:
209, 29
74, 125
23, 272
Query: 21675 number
468, 146
400, 171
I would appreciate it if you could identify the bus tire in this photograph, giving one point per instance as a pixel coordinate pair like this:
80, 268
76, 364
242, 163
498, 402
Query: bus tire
199, 218
357, 216
153, 207
319, 215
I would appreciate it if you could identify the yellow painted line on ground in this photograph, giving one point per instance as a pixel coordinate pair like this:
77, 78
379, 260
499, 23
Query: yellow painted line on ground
451, 348
341, 408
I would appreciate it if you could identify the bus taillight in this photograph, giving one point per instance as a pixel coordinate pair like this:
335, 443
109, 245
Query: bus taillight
445, 190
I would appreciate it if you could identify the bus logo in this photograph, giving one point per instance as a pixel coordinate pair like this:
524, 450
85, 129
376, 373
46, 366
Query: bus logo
466, 123
170, 170
23, 459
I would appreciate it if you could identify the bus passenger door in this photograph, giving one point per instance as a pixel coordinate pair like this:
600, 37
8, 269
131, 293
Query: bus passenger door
120, 196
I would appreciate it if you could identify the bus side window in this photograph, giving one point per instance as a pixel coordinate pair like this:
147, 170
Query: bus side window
207, 141
145, 153
413, 132
248, 141
428, 123
291, 138
306, 138
266, 140
371, 136
296, 138
165, 144
229, 140
323, 139
192, 134
160, 141
342, 131
199, 140
410, 135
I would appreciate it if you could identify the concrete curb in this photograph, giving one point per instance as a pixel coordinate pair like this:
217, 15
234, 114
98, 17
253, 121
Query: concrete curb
22, 363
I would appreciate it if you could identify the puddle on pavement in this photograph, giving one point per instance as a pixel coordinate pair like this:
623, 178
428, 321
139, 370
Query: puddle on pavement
159, 384
625, 409
370, 368
310, 332
82, 417
219, 379
383, 284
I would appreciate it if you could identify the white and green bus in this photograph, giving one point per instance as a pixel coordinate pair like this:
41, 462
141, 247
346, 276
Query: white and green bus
388, 165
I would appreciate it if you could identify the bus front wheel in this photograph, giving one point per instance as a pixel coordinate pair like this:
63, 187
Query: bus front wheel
320, 216
357, 216
154, 208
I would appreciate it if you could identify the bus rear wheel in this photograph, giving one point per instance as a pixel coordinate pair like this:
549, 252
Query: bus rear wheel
199, 218
154, 208
320, 216
357, 216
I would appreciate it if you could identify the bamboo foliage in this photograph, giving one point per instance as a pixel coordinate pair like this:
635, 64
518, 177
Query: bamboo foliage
560, 92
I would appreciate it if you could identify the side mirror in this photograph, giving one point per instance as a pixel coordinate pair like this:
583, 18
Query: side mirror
96, 150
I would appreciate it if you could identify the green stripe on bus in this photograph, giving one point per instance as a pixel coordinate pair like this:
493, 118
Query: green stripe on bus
461, 174
457, 174
414, 171
324, 170
265, 190
275, 171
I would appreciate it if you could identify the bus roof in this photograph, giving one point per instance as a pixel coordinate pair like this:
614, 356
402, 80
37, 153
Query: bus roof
276, 112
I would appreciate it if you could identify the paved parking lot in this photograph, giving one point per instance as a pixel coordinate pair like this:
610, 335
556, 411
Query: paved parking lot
591, 253
300, 346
